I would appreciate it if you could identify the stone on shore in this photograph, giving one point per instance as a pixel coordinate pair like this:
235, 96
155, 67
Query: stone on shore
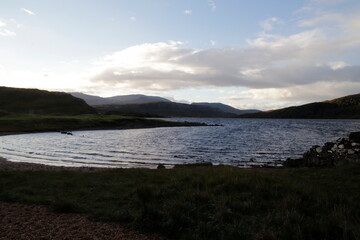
342, 151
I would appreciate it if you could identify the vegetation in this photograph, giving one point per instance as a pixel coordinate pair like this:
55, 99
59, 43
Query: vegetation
34, 101
41, 123
33, 110
226, 108
345, 107
204, 202
164, 109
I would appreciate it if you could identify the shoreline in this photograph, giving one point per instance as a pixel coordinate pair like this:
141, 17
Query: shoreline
7, 165
14, 133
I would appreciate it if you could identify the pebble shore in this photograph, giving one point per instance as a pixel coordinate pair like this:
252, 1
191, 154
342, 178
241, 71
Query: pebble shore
6, 165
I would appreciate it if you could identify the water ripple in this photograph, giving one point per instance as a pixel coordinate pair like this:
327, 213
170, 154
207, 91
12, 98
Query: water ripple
239, 142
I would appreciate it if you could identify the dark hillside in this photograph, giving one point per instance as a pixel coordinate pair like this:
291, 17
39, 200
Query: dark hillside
164, 109
226, 108
34, 101
346, 107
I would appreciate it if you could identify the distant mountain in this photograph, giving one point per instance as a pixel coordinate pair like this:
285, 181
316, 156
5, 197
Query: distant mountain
164, 109
226, 108
35, 101
142, 105
125, 99
345, 107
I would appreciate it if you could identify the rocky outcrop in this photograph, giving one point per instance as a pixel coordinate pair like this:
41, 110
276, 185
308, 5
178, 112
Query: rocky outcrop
342, 151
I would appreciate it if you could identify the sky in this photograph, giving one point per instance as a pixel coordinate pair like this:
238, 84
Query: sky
249, 54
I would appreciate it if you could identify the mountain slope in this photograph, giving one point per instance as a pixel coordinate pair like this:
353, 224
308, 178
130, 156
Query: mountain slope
34, 101
125, 99
347, 107
142, 105
226, 108
164, 109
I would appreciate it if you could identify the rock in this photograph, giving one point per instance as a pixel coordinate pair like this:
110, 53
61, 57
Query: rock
355, 137
351, 152
161, 166
328, 146
294, 162
343, 151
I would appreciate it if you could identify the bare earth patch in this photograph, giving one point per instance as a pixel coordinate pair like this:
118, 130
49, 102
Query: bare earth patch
20, 221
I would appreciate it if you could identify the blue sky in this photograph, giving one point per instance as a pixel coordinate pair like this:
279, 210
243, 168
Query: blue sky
249, 54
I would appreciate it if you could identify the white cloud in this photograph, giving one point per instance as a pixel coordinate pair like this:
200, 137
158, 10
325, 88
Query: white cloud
327, 2
268, 24
273, 66
264, 105
7, 33
323, 19
275, 98
295, 41
166, 66
27, 11
337, 65
312, 92
44, 79
212, 4
133, 18
303, 10
212, 42
187, 12
2, 23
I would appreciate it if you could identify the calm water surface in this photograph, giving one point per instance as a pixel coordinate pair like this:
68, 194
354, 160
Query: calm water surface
239, 142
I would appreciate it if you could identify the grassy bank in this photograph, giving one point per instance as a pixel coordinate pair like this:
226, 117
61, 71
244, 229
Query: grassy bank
204, 202
42, 123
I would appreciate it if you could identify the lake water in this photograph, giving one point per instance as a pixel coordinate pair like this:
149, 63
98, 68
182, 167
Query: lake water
239, 142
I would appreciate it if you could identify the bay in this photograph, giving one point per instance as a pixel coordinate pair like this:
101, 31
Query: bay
237, 142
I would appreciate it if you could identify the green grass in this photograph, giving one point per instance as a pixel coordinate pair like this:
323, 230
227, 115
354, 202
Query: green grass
42, 123
204, 202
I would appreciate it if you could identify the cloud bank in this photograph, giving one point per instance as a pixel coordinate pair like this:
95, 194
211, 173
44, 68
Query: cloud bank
275, 66
4, 31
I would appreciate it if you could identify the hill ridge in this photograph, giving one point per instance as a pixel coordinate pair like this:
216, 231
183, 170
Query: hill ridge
36, 101
347, 107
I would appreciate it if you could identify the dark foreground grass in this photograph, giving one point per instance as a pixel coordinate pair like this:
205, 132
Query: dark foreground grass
204, 202
43, 123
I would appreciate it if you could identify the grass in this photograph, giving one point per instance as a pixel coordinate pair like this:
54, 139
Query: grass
219, 202
42, 123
